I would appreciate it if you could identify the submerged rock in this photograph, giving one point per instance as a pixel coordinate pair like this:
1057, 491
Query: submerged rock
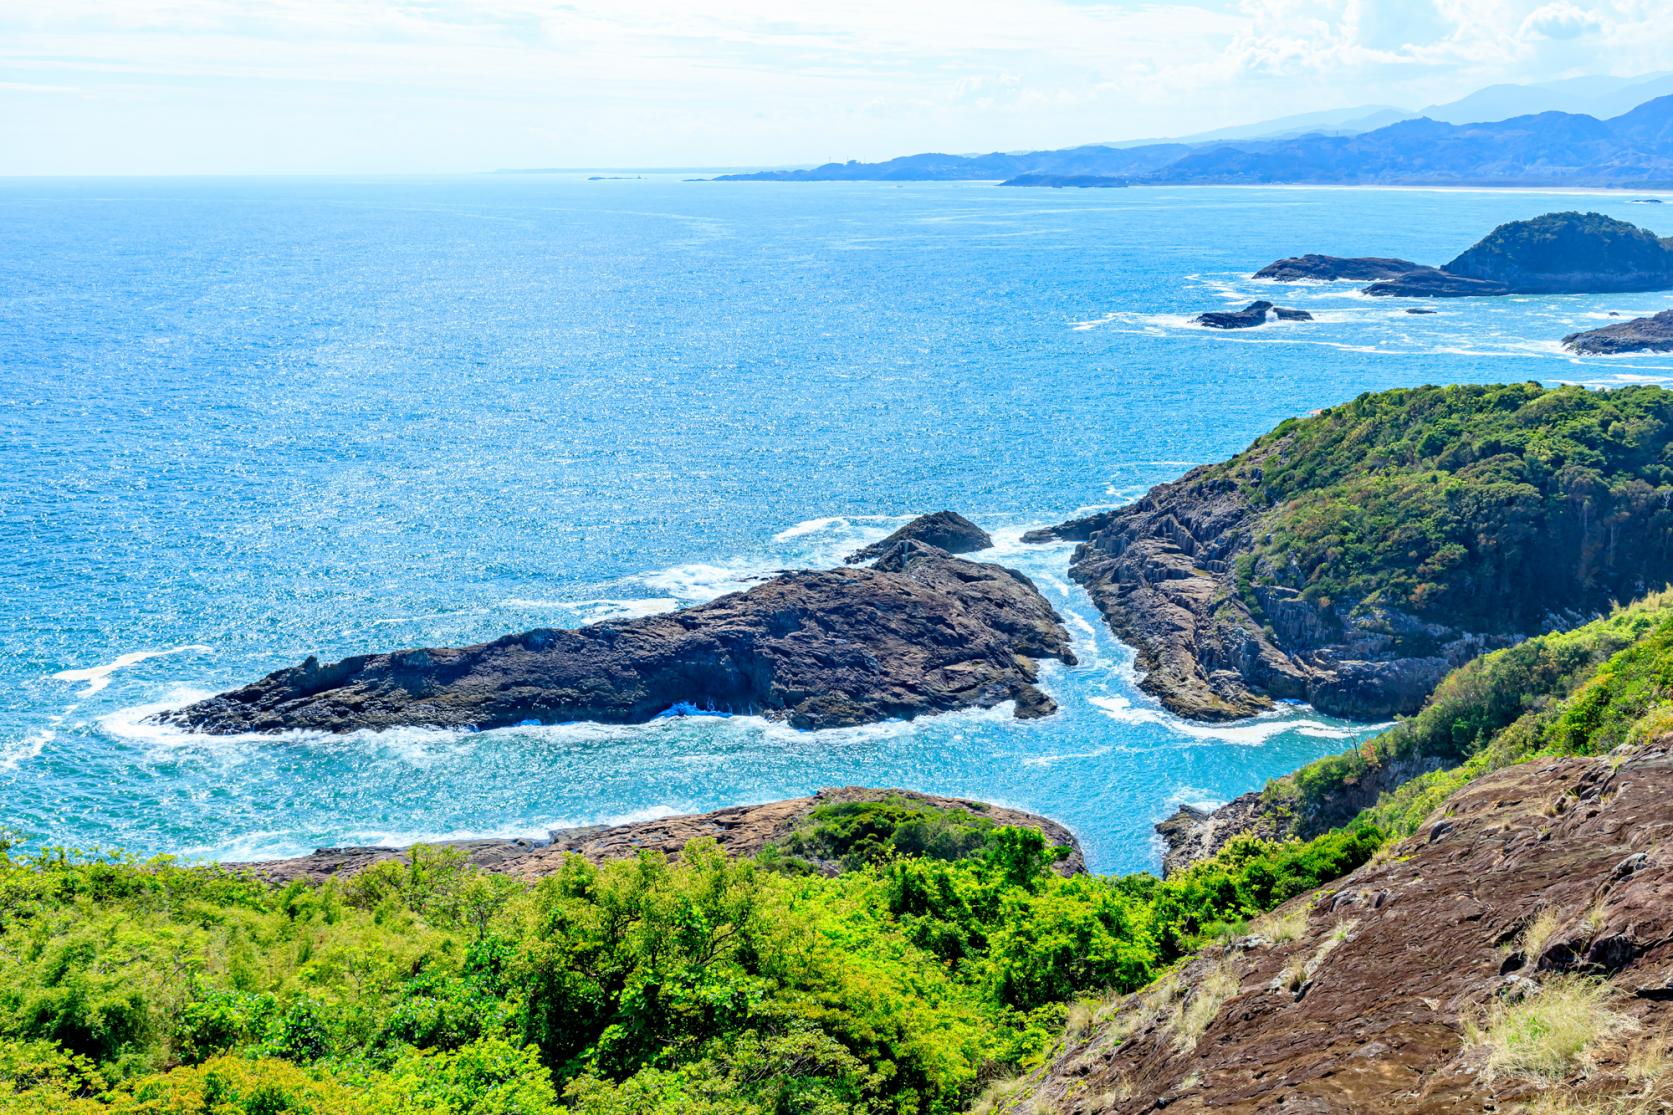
1420, 310
1255, 313
818, 649
945, 530
1643, 334
740, 830
1331, 268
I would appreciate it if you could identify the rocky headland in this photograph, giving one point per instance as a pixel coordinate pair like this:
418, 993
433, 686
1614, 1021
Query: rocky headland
945, 530
1643, 334
921, 632
1352, 558
1557, 253
1425, 981
740, 830
1255, 313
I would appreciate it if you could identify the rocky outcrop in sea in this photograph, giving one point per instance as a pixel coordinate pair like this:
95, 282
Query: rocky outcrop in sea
740, 830
946, 530
1643, 334
1255, 313
1318, 268
922, 632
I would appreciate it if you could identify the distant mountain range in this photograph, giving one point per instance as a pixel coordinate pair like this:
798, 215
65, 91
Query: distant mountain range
1633, 149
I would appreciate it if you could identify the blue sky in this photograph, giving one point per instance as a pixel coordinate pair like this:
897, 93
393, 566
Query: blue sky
320, 86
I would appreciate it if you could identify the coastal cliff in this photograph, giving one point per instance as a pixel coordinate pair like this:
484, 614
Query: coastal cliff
920, 632
1643, 334
1351, 559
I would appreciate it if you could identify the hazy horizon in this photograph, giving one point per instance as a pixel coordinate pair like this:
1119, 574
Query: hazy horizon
219, 87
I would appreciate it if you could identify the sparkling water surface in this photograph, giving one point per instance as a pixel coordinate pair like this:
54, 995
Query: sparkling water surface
246, 421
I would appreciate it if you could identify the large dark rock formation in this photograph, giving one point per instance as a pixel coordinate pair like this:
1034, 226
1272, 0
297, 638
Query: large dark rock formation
1317, 268
1434, 282
740, 830
1363, 996
1255, 313
945, 530
930, 633
1643, 334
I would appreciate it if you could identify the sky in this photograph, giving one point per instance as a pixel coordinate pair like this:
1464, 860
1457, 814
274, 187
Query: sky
441, 86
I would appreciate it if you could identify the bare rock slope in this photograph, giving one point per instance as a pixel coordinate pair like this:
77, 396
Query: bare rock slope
1431, 980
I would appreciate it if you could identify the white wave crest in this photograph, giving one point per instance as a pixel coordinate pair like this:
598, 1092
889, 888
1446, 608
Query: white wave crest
98, 677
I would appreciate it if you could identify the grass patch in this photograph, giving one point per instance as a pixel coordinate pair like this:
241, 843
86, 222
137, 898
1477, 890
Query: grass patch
1546, 1037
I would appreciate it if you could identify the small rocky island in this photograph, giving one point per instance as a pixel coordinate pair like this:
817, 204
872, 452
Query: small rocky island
1352, 558
945, 530
1643, 334
1255, 313
920, 632
1557, 253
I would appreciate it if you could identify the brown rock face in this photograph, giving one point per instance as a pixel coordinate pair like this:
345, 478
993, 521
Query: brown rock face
1370, 1008
923, 633
741, 830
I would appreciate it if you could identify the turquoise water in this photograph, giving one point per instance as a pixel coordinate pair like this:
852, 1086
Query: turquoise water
246, 421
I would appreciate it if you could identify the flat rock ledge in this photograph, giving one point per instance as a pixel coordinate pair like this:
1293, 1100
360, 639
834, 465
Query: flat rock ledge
1643, 334
1321, 268
923, 632
945, 530
740, 830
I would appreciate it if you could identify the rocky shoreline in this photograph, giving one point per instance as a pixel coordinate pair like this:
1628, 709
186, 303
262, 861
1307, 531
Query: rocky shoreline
740, 830
918, 632
1642, 334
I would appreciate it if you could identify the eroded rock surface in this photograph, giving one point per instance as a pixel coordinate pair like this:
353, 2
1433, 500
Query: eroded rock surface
819, 649
740, 830
1369, 1009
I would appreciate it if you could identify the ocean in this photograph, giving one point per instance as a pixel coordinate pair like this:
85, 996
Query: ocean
245, 421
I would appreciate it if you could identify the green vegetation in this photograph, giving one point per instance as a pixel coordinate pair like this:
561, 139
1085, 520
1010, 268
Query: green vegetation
1572, 692
1486, 508
945, 958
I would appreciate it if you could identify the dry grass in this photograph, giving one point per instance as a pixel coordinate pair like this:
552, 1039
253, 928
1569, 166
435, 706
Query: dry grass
1005, 1097
1199, 1006
1282, 928
1534, 937
1547, 1036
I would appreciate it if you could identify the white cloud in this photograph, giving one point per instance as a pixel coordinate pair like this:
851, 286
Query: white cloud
449, 84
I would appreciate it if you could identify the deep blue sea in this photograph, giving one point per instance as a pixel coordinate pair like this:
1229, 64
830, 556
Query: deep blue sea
244, 421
